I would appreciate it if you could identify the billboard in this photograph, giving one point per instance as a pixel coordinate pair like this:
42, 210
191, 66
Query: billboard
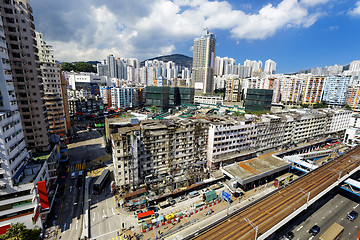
44, 200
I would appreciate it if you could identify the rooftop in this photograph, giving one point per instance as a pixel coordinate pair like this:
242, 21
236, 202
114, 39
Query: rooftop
254, 169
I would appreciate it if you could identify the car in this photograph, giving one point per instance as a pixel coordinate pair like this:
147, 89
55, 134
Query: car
73, 175
80, 173
182, 198
288, 236
314, 230
155, 209
203, 191
352, 216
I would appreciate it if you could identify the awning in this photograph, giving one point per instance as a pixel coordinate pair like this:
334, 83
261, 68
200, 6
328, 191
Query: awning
145, 214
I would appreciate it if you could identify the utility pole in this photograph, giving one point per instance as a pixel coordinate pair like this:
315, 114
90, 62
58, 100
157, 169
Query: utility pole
253, 226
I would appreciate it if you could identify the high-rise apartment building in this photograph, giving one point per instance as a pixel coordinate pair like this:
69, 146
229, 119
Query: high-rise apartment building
313, 90
354, 65
54, 98
335, 90
270, 67
20, 35
203, 63
19, 174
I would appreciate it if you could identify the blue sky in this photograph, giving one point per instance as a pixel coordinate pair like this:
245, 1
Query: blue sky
295, 34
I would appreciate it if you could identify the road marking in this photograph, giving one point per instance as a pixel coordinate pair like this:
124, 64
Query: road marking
299, 228
75, 203
109, 227
76, 224
113, 211
64, 227
94, 217
70, 188
356, 206
342, 219
311, 237
104, 215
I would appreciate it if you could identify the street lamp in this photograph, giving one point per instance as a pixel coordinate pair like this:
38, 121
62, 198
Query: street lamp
253, 225
308, 196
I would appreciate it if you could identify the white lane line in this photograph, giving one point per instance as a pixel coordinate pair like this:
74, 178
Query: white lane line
104, 215
70, 188
299, 228
113, 211
76, 224
94, 216
356, 206
64, 227
342, 219
109, 227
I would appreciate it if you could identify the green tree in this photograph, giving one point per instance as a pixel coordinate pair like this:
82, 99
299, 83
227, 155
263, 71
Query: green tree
67, 67
347, 107
16, 231
320, 105
84, 67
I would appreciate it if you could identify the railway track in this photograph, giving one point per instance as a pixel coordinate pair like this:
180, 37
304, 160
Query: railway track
271, 210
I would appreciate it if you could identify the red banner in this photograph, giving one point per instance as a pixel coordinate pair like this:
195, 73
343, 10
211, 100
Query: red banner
3, 229
44, 200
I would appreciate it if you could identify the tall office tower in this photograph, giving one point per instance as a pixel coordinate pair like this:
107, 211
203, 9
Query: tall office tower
270, 67
54, 99
112, 69
203, 63
354, 65
20, 35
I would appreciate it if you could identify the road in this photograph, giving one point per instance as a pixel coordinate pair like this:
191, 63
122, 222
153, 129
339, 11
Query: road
271, 210
88, 146
335, 210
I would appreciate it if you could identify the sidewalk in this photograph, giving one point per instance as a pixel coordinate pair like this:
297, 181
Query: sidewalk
198, 220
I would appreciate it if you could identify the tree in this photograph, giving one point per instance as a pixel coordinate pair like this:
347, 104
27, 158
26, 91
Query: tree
320, 105
84, 67
67, 67
347, 107
18, 231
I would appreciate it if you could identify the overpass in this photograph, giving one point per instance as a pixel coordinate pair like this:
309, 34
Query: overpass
264, 217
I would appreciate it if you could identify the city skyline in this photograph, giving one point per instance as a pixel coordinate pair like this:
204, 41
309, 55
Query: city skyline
289, 32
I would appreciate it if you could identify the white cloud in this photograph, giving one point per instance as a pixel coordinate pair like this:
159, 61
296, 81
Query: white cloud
93, 29
314, 2
356, 10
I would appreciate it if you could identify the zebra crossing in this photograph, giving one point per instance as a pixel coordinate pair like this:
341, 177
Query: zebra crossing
76, 167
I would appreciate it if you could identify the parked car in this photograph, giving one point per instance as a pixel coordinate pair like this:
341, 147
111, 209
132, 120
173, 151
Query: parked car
155, 209
182, 198
352, 216
73, 175
314, 230
205, 190
288, 236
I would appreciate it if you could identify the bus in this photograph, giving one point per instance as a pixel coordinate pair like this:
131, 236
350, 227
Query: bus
332, 233
283, 179
100, 182
145, 216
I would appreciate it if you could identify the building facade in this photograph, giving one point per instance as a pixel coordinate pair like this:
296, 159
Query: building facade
203, 63
20, 35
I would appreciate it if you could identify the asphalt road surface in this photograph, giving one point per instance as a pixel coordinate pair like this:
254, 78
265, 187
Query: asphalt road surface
334, 210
